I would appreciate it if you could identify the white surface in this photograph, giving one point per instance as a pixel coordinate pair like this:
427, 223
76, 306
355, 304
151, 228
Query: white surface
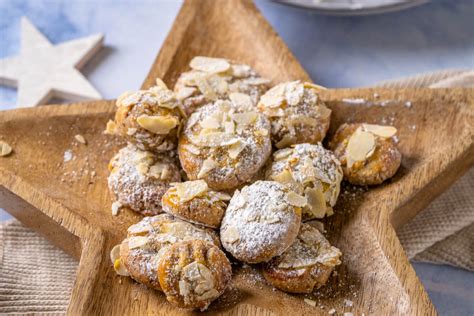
42, 70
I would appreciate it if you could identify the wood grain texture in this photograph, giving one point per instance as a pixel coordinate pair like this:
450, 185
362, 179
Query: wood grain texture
71, 206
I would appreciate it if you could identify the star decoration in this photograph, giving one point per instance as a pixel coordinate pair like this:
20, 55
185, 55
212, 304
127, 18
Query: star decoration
43, 70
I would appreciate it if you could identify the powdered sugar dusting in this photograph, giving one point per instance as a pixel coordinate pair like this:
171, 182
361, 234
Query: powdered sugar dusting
264, 222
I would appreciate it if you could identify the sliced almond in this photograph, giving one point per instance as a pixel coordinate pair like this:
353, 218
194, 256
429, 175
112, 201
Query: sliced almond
141, 228
295, 199
128, 98
218, 84
188, 190
313, 86
245, 119
285, 177
131, 131
207, 166
274, 97
157, 124
240, 99
286, 141
185, 93
142, 168
160, 83
210, 122
137, 242
229, 127
209, 64
380, 130
236, 149
360, 145
241, 71
220, 195
256, 81
261, 132
282, 153
294, 92
116, 208
111, 127
156, 170
230, 235
119, 267
192, 149
205, 88
316, 202
5, 149
80, 139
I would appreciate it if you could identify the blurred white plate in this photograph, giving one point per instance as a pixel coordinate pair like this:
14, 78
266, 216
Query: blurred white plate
353, 7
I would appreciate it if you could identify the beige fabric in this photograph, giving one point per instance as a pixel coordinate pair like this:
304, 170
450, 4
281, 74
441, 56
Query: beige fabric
36, 277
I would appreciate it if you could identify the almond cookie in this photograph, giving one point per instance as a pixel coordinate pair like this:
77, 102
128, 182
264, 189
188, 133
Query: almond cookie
296, 112
194, 273
367, 152
224, 144
261, 221
215, 78
138, 179
150, 119
141, 251
306, 265
312, 171
194, 202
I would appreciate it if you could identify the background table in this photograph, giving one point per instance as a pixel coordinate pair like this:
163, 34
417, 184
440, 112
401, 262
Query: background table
336, 51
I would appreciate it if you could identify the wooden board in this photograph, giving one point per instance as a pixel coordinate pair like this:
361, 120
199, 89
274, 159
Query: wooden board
71, 207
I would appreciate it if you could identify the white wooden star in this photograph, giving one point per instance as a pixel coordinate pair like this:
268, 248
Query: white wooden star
43, 71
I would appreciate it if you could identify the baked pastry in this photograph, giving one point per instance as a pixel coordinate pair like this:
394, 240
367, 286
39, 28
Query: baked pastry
141, 251
150, 119
312, 171
367, 152
306, 265
261, 221
194, 273
138, 179
296, 112
224, 144
215, 78
194, 202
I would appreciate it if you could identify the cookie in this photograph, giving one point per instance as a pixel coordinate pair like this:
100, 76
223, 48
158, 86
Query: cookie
297, 113
224, 144
312, 171
138, 179
194, 202
194, 273
367, 152
211, 79
149, 119
147, 240
261, 221
306, 265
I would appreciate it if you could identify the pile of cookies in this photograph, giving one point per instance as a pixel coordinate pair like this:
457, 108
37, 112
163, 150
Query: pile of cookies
224, 167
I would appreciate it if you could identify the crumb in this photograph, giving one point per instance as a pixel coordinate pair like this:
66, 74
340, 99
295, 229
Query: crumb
80, 139
348, 303
332, 311
68, 155
116, 207
310, 302
408, 104
348, 314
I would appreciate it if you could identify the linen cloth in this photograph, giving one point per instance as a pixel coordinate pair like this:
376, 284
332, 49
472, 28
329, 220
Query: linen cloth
37, 277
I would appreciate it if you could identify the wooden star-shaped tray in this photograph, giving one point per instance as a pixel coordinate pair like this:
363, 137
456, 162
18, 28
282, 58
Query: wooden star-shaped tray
68, 200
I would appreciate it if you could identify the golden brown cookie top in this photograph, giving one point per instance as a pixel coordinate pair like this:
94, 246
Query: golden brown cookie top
225, 140
211, 79
296, 112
